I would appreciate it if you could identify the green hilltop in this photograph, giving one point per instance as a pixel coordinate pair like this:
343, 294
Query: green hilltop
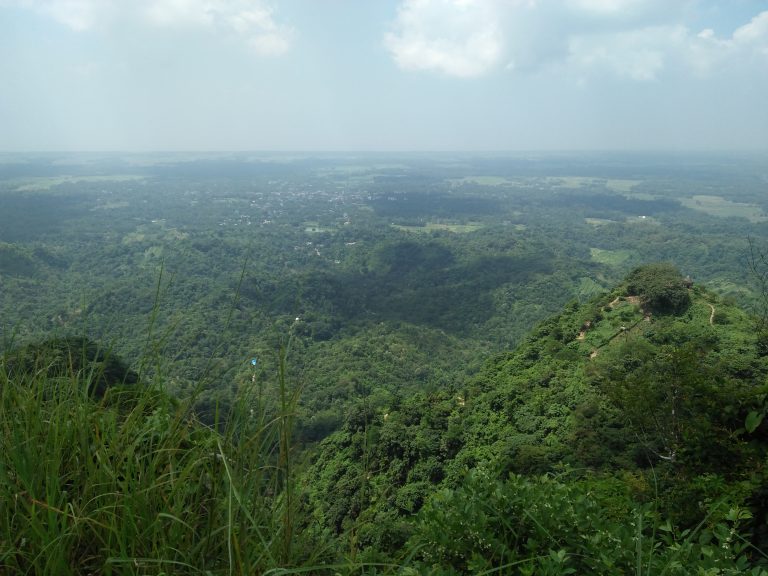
646, 389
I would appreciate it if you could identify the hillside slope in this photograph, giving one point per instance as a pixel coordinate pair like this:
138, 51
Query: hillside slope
650, 383
625, 435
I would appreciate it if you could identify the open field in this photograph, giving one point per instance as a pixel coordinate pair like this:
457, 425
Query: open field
315, 228
484, 181
48, 182
615, 184
610, 257
641, 196
719, 206
433, 226
642, 220
598, 221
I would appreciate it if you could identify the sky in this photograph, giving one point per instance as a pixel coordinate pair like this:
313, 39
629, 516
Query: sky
383, 75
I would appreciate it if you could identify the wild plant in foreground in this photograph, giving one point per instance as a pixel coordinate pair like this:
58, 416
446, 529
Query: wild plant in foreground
132, 483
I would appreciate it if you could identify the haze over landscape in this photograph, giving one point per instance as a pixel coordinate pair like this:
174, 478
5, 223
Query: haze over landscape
387, 75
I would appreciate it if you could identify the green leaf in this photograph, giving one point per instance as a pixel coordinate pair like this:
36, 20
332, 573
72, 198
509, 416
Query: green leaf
666, 527
738, 513
753, 421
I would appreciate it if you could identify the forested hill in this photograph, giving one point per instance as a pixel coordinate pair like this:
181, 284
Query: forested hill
647, 388
626, 434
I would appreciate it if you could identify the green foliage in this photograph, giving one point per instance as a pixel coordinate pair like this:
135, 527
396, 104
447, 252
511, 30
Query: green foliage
108, 486
601, 388
754, 419
542, 525
414, 356
660, 287
675, 403
99, 483
16, 261
76, 358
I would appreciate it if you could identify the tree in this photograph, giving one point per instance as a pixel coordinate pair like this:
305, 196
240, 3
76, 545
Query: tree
757, 264
661, 288
679, 406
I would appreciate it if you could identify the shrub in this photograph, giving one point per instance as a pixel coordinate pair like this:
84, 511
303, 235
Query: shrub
544, 526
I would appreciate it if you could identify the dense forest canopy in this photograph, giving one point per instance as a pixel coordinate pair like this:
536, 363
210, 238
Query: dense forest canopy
381, 349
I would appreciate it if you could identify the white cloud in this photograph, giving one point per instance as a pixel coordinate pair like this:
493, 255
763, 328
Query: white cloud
265, 36
473, 37
252, 21
647, 53
705, 53
638, 40
270, 44
79, 15
179, 13
754, 35
456, 37
639, 55
640, 11
756, 31
604, 6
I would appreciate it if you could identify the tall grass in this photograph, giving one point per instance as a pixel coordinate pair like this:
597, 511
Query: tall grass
133, 484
